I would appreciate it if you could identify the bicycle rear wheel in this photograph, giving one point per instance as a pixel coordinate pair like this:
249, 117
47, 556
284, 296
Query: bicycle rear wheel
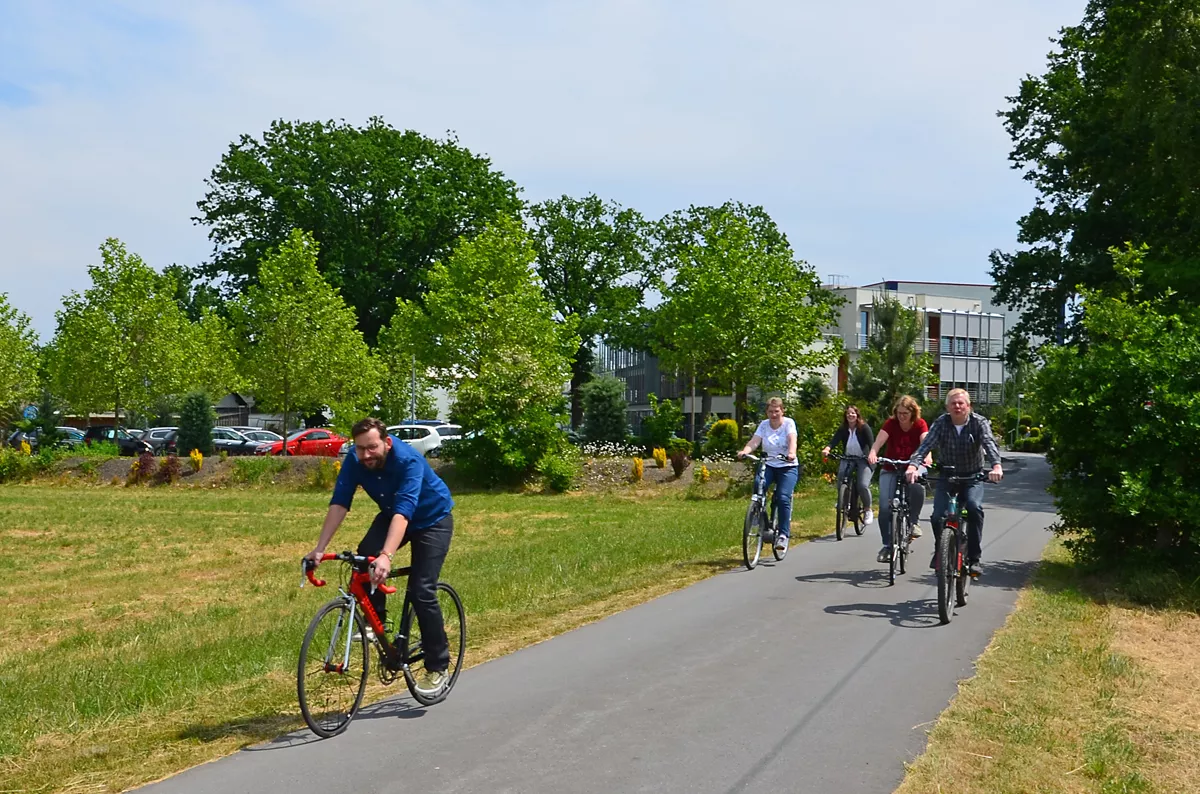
779, 555
332, 674
843, 509
945, 561
903, 549
454, 619
752, 535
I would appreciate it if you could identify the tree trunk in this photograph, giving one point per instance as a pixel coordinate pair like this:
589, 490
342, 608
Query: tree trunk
581, 373
705, 404
1166, 537
739, 405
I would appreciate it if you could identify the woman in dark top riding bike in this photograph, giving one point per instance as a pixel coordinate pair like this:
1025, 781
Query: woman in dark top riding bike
857, 436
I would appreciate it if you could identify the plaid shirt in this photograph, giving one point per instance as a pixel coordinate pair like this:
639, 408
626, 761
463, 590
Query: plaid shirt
963, 450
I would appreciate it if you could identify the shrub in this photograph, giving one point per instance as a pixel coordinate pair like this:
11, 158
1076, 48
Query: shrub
17, 467
196, 421
1125, 425
560, 472
660, 457
638, 469
722, 438
325, 475
196, 459
663, 422
168, 471
142, 469
98, 449
256, 470
812, 392
679, 451
701, 473
223, 455
604, 410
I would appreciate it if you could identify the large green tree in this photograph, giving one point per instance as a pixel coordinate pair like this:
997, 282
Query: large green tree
302, 350
122, 342
18, 359
1109, 136
889, 365
487, 333
738, 306
383, 204
592, 257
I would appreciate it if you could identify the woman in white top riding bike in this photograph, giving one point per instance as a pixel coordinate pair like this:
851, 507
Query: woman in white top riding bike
777, 435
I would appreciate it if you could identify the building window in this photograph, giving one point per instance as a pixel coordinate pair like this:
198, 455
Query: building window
973, 347
960, 346
946, 346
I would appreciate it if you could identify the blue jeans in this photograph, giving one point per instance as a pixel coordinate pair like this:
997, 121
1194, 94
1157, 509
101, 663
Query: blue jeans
864, 482
887, 489
429, 549
784, 478
972, 495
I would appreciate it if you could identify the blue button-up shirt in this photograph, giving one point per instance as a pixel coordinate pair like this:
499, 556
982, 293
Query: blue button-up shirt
405, 485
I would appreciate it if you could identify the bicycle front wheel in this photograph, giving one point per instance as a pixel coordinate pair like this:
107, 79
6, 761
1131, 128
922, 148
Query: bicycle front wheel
332, 674
843, 507
962, 581
897, 560
779, 555
454, 621
752, 535
945, 571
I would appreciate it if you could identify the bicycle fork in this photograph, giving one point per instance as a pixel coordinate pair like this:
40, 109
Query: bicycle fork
345, 623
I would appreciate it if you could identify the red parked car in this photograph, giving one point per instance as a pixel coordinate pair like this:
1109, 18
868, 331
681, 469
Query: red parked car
314, 441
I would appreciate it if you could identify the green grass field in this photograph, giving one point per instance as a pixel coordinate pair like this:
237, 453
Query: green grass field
148, 630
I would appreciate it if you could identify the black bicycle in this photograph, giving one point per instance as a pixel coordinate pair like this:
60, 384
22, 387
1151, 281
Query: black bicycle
901, 530
762, 524
949, 557
847, 497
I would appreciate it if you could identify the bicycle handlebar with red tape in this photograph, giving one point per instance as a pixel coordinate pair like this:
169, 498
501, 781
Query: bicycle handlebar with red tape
308, 570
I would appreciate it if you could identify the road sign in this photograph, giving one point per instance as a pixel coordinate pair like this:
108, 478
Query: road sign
31, 412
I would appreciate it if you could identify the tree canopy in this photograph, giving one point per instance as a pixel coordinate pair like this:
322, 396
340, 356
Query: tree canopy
302, 350
592, 258
383, 205
488, 334
123, 341
738, 305
889, 365
1109, 136
18, 359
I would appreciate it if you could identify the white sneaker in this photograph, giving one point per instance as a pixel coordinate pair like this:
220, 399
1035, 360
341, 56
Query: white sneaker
914, 531
870, 519
781, 543
432, 683
370, 635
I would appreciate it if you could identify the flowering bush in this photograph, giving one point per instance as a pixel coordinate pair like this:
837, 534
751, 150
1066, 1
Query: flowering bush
197, 459
638, 465
679, 450
141, 470
25, 448
660, 457
609, 449
168, 471
702, 473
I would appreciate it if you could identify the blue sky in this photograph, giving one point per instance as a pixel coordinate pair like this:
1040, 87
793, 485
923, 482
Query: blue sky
867, 129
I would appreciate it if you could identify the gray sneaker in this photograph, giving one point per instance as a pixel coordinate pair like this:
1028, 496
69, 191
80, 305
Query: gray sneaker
914, 531
432, 683
884, 555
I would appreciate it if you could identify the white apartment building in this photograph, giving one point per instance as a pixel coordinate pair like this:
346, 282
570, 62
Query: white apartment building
964, 331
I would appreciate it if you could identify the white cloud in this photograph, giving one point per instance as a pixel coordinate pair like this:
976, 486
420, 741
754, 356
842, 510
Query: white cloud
867, 129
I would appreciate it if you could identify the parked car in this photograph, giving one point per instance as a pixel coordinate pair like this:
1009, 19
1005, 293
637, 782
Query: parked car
162, 440
127, 444
69, 436
258, 434
231, 442
314, 441
135, 432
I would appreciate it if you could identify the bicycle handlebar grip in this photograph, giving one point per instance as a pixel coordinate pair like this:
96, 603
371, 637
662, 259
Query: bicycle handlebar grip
308, 572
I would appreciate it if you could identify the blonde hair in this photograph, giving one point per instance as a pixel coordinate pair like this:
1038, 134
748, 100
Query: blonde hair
775, 401
909, 403
953, 392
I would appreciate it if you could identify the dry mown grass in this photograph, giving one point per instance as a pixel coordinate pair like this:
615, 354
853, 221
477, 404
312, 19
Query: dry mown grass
1073, 695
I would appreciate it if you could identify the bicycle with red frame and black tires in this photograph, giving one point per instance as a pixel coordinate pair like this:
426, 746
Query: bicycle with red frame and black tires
949, 559
335, 656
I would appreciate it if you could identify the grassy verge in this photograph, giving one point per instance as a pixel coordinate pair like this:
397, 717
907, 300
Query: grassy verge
1080, 692
148, 630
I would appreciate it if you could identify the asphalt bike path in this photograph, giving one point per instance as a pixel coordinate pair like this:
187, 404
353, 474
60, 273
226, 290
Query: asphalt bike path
808, 675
